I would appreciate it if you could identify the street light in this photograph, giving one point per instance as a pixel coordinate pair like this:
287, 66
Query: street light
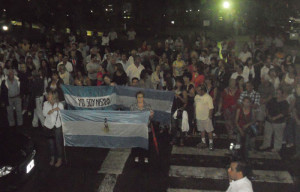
4, 28
226, 4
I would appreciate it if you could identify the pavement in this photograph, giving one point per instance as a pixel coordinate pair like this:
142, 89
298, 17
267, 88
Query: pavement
175, 169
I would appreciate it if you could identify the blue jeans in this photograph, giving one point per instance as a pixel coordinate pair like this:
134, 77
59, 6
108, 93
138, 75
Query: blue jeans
56, 143
247, 143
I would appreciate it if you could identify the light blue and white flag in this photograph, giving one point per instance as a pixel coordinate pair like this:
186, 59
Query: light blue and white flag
119, 97
105, 129
90, 97
160, 101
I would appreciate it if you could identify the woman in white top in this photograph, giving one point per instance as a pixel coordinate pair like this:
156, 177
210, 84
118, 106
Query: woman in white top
289, 77
52, 122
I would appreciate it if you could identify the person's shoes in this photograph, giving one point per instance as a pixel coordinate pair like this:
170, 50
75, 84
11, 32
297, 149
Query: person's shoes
58, 163
211, 146
201, 145
146, 160
136, 159
51, 161
289, 145
218, 114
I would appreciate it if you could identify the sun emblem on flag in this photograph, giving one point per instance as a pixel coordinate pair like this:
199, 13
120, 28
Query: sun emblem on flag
106, 128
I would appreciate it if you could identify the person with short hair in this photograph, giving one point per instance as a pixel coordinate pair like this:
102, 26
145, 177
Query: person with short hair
53, 124
135, 69
204, 110
135, 82
92, 69
141, 105
238, 181
11, 95
277, 110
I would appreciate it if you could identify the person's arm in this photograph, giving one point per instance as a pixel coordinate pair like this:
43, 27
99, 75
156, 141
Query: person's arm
237, 115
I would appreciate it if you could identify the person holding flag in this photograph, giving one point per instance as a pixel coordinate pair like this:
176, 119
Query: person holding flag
141, 105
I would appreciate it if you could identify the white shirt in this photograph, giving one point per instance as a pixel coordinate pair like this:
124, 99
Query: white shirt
203, 104
131, 35
248, 71
241, 185
133, 71
113, 35
54, 118
105, 41
69, 66
244, 56
264, 72
244, 75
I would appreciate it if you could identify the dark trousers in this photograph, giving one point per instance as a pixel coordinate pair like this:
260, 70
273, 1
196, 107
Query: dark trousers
56, 143
141, 152
176, 131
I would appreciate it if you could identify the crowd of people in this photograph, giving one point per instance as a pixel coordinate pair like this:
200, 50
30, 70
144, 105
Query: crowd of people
256, 90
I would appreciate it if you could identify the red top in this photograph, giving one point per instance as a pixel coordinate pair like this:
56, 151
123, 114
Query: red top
191, 68
228, 99
199, 80
244, 118
100, 74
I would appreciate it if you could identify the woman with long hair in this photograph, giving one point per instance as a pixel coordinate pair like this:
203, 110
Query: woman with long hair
244, 119
51, 110
119, 76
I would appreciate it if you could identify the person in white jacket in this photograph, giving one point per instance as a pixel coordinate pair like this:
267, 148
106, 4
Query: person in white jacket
51, 112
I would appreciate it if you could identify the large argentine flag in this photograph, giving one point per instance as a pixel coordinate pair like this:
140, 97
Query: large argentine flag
86, 128
118, 97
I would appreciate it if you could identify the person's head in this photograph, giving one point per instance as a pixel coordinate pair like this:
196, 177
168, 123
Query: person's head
201, 89
140, 96
65, 59
279, 93
239, 69
73, 53
246, 102
94, 58
137, 60
144, 74
135, 82
272, 73
11, 74
55, 76
44, 63
179, 56
62, 69
179, 83
187, 77
209, 81
23, 68
124, 57
52, 96
106, 79
249, 62
249, 87
237, 170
